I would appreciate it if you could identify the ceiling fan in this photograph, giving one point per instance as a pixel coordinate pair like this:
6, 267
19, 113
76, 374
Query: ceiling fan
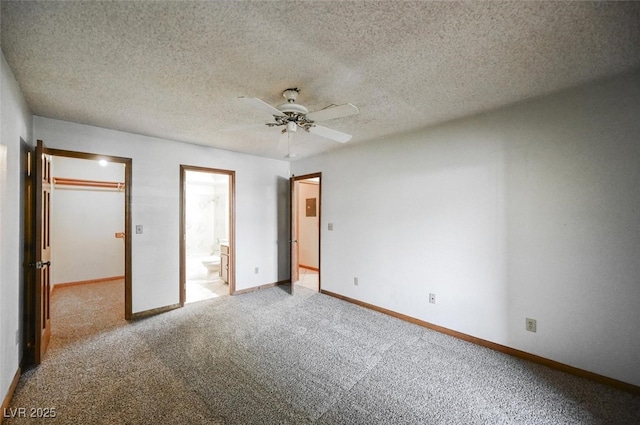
292, 115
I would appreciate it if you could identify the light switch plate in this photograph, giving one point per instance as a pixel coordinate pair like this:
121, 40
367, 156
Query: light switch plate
138, 229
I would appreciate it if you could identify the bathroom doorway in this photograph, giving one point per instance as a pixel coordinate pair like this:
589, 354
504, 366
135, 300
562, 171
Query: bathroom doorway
206, 233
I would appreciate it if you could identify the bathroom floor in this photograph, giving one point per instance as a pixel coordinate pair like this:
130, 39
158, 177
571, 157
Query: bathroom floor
204, 289
203, 285
308, 278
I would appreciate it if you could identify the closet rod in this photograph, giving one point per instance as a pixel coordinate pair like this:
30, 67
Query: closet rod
88, 183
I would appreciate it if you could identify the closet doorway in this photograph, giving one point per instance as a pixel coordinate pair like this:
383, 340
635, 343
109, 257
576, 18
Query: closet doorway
206, 233
57, 185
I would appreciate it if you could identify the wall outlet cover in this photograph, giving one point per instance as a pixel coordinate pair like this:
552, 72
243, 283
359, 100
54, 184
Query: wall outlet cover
432, 298
531, 325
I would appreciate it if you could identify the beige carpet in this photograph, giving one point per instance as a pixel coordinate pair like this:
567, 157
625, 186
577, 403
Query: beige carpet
85, 311
268, 357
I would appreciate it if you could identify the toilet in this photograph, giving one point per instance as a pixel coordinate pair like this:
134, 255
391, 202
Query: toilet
212, 263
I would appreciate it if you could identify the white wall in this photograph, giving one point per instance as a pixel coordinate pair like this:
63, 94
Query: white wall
155, 205
84, 222
308, 254
15, 123
529, 211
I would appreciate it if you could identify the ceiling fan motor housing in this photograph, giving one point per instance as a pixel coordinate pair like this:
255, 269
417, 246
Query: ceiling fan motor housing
295, 113
293, 108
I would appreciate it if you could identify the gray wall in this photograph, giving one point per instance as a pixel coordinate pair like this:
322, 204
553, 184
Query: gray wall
15, 123
528, 211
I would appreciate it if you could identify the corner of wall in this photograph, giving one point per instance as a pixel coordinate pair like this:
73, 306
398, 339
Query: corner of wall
16, 123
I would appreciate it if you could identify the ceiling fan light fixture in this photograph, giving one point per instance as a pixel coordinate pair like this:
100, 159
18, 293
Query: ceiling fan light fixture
292, 127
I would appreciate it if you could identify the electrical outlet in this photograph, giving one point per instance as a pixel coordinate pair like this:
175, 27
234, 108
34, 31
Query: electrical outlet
138, 229
432, 298
256, 270
531, 325
355, 281
330, 226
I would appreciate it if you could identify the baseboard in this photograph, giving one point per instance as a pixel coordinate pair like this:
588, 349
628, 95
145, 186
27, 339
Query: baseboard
315, 269
7, 399
265, 286
621, 385
86, 282
153, 311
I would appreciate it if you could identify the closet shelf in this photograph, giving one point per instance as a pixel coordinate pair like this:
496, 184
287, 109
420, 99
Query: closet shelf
62, 181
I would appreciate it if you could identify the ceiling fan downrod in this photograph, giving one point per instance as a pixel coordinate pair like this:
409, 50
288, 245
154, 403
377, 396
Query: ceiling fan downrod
291, 94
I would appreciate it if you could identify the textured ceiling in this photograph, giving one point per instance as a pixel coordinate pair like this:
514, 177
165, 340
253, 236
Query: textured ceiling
176, 69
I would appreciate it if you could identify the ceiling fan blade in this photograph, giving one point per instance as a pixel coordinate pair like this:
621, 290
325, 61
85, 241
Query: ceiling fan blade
336, 135
333, 112
261, 104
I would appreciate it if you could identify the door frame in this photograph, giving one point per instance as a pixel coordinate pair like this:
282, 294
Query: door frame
183, 223
128, 174
31, 344
27, 236
293, 219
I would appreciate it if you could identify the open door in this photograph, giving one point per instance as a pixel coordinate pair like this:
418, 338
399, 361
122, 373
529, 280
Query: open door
293, 240
296, 212
27, 211
42, 253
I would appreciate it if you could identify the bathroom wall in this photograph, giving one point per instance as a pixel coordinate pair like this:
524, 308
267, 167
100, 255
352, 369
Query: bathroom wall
200, 214
207, 213
84, 222
221, 212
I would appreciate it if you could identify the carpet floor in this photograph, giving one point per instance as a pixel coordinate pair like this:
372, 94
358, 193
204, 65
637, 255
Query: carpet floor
268, 357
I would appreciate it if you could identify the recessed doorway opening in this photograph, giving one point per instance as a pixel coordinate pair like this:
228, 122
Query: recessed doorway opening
305, 258
75, 186
206, 233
